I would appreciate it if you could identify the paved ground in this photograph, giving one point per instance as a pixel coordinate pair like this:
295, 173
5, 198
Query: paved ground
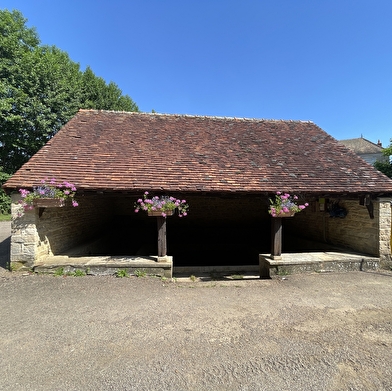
304, 332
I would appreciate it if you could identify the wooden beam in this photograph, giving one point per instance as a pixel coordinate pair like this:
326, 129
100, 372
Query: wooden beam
276, 237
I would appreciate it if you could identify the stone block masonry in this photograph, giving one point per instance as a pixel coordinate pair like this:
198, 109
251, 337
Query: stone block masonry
56, 230
24, 235
357, 231
385, 236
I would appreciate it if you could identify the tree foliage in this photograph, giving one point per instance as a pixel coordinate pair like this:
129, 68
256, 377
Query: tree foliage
41, 88
5, 201
385, 167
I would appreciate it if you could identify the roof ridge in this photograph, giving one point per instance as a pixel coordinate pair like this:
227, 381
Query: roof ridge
195, 116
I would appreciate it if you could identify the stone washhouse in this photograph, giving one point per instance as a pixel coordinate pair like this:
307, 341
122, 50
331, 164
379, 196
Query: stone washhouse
226, 169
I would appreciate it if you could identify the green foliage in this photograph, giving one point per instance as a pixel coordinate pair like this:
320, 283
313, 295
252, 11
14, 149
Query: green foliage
385, 167
76, 273
5, 200
59, 272
79, 273
122, 273
140, 273
281, 271
96, 94
40, 90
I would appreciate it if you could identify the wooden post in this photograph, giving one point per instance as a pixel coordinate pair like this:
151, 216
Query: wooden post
276, 237
162, 248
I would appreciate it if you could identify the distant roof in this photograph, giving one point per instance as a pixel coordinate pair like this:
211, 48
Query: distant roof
119, 151
361, 145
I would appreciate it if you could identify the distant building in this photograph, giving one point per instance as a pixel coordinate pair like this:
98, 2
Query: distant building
368, 151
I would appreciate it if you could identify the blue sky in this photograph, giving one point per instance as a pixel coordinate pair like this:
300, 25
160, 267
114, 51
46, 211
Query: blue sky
328, 61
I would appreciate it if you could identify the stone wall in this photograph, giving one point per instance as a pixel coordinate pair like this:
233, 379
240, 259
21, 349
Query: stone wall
24, 236
56, 230
385, 235
357, 231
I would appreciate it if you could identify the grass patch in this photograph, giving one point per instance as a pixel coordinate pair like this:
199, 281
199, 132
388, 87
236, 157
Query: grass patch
76, 273
6, 217
282, 271
16, 266
79, 273
140, 273
122, 273
59, 272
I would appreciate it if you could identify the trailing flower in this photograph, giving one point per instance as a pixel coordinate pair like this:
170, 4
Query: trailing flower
164, 204
51, 189
285, 203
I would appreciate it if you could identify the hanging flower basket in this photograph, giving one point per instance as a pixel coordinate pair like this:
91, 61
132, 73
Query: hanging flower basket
285, 214
50, 194
158, 212
285, 205
48, 203
161, 206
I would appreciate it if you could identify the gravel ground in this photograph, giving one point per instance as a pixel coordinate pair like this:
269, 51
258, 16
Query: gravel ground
304, 332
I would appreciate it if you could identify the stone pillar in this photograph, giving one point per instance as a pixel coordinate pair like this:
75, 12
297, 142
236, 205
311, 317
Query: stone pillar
24, 236
384, 214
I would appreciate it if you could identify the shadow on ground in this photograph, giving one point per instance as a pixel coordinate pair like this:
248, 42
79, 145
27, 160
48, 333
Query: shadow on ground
5, 243
5, 253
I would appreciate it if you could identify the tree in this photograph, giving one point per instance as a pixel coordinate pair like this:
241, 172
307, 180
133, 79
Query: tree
5, 201
96, 94
41, 88
385, 167
43, 94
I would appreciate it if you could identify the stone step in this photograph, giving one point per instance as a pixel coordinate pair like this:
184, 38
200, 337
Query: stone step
288, 263
107, 265
319, 262
246, 271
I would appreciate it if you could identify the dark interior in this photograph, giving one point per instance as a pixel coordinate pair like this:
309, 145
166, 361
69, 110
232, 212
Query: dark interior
208, 244
215, 233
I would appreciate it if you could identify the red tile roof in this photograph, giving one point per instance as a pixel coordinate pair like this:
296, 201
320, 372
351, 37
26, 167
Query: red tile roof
118, 151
